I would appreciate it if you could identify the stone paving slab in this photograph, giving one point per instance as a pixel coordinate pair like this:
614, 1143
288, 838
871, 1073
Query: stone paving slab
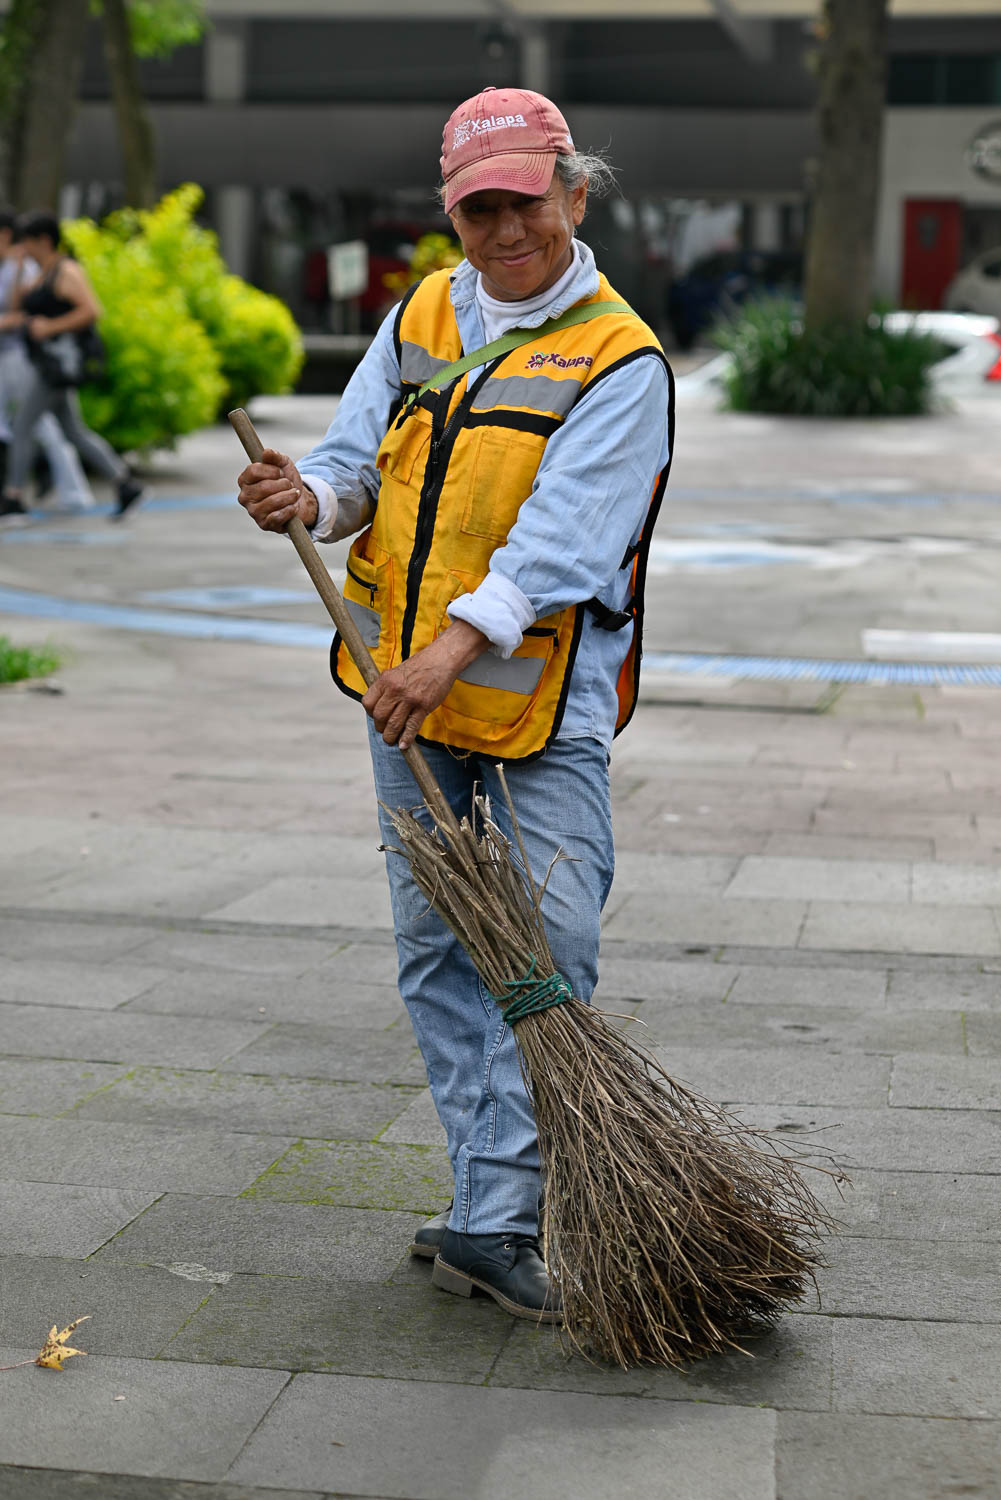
962, 885
970, 991
767, 984
881, 927
140, 888
342, 1053
983, 1035
47, 1218
404, 1332
492, 1444
370, 1175
801, 1028
96, 1153
90, 986
789, 1366
915, 1205
703, 919
179, 1421
322, 996
73, 1484
51, 1031
312, 901
239, 952
33, 1086
90, 942
133, 1312
789, 879
946, 1083
797, 1075
889, 1140
952, 1280
418, 1125
916, 1368
276, 1239
662, 979
824, 1457
261, 1105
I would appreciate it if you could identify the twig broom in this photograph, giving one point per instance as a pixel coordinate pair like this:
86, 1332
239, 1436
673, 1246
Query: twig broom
670, 1228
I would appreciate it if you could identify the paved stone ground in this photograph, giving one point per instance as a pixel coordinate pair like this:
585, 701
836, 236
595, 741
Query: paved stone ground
215, 1139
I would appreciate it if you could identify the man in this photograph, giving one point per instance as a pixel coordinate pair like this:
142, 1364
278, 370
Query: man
499, 584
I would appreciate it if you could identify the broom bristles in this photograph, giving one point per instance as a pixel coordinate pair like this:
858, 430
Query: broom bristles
671, 1228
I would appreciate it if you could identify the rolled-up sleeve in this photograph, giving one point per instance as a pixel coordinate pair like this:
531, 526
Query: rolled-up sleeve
341, 470
587, 505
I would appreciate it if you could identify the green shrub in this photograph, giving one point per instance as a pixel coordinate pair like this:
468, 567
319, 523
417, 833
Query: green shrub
782, 367
19, 662
163, 377
259, 346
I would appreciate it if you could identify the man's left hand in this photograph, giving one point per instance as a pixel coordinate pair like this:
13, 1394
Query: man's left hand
401, 699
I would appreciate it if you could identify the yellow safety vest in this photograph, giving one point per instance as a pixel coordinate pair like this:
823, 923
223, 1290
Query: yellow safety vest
455, 467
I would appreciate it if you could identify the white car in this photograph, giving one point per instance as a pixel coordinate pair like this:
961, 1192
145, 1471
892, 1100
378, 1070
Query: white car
977, 289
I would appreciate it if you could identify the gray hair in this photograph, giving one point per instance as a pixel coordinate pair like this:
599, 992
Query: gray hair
592, 167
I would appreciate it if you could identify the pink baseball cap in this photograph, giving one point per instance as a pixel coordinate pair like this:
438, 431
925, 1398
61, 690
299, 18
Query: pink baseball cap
502, 138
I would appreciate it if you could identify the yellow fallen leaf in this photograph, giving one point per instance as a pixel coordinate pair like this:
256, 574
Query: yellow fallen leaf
55, 1349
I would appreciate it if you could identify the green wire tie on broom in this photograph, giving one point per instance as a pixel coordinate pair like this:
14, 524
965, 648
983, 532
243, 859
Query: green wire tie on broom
523, 997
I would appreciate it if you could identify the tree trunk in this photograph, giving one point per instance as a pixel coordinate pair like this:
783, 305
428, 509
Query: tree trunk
52, 78
22, 33
852, 79
135, 128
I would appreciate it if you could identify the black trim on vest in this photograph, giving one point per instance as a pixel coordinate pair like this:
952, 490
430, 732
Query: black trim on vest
609, 619
643, 551
520, 421
398, 323
627, 359
444, 431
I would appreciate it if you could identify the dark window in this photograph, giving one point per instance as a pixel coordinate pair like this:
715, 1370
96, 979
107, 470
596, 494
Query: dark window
936, 78
913, 80
971, 80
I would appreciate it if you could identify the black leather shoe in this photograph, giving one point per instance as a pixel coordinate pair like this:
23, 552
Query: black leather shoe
427, 1240
508, 1267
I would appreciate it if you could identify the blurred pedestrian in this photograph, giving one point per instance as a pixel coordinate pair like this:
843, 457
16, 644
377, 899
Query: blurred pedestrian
507, 510
59, 301
63, 462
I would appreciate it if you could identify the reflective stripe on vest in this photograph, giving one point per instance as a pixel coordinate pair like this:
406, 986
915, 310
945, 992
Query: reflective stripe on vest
454, 469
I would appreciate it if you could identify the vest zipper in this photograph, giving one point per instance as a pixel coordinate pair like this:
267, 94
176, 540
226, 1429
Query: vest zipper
373, 588
443, 436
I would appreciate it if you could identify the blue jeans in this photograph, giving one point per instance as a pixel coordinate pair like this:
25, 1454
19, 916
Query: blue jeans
561, 801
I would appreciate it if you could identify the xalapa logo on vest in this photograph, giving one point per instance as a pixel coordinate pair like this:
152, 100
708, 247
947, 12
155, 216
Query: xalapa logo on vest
537, 360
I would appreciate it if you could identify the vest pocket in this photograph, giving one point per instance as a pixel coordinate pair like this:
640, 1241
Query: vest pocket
504, 467
493, 690
403, 446
368, 594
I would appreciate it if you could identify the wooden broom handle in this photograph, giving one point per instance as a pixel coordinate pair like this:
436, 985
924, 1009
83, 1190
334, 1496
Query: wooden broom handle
348, 630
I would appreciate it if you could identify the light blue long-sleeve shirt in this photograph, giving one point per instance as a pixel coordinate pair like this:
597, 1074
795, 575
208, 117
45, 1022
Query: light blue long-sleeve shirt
586, 507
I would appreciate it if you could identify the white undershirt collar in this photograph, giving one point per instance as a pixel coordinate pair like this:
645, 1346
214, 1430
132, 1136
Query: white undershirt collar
498, 317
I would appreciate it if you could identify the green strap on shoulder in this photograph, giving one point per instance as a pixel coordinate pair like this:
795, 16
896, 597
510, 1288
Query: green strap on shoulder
514, 340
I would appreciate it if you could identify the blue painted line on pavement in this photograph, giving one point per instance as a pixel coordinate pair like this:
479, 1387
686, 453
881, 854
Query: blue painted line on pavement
165, 622
683, 664
817, 669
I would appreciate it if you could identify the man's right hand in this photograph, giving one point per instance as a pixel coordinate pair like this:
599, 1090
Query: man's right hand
272, 492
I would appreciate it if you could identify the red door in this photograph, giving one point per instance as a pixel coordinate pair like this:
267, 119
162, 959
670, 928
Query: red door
933, 230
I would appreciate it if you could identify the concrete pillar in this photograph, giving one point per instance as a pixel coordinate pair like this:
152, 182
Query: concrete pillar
535, 68
226, 62
226, 83
766, 231
234, 216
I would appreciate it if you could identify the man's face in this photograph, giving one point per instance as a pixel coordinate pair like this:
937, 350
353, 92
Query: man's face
519, 245
6, 240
